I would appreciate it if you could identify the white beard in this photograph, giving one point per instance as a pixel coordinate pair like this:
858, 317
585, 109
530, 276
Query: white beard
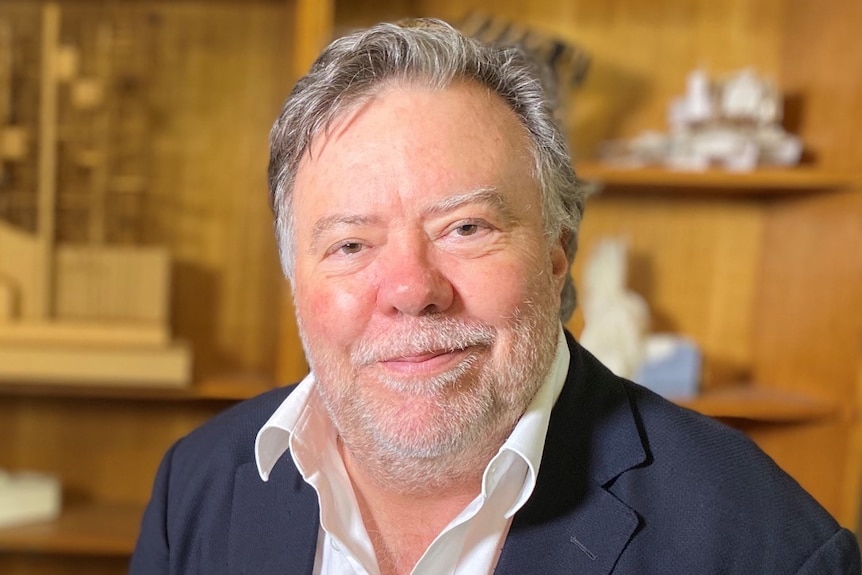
447, 427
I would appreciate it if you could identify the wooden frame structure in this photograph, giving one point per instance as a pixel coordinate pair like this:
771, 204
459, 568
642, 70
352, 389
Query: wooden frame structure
68, 308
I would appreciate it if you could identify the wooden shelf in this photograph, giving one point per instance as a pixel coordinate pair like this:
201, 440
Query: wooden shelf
227, 388
761, 181
729, 402
753, 403
107, 529
102, 529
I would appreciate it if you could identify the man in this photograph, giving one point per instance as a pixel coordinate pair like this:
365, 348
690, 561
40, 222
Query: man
427, 216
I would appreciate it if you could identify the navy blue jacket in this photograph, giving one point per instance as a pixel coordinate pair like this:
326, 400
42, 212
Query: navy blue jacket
630, 484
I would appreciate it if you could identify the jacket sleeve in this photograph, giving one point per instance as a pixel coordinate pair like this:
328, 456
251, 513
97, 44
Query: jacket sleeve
152, 552
839, 555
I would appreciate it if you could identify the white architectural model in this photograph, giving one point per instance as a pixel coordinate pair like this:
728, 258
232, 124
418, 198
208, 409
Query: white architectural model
80, 300
733, 123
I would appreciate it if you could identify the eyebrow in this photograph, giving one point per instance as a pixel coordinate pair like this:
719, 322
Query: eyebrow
488, 196
326, 223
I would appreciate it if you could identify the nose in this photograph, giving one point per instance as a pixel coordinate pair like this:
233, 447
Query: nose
411, 282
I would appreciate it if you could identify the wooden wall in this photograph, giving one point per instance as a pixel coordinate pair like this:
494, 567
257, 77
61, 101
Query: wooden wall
821, 69
225, 70
770, 287
215, 75
641, 50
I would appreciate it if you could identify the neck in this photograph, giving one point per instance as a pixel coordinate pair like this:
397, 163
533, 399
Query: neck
403, 522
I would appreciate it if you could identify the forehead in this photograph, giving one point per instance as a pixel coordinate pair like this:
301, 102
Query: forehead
405, 94
413, 140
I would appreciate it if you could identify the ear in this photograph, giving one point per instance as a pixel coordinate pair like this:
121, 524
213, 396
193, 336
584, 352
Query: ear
559, 260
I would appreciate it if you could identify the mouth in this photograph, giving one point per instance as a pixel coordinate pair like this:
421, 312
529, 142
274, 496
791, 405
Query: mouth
426, 363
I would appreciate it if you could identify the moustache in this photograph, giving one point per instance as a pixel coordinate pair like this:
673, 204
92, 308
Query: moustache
421, 336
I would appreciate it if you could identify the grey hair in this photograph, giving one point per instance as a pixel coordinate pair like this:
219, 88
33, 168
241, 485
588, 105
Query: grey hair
432, 53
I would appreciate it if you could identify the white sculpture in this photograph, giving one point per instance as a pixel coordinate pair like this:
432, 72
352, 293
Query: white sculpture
616, 319
733, 123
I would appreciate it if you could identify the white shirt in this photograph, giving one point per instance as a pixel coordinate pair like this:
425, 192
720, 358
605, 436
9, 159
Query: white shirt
470, 544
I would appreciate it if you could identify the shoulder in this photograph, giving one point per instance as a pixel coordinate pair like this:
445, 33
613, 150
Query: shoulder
709, 496
676, 445
188, 517
226, 440
705, 495
707, 487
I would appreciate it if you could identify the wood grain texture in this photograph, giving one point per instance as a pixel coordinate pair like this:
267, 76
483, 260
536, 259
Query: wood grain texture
224, 70
821, 59
815, 454
808, 314
30, 564
104, 450
695, 261
641, 51
47, 166
768, 281
101, 530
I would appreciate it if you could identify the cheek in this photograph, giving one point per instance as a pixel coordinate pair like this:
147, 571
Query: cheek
497, 294
331, 312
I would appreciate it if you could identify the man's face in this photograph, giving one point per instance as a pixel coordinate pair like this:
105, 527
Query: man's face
426, 292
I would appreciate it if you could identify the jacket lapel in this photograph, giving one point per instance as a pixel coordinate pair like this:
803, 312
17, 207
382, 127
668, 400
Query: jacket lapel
274, 524
572, 524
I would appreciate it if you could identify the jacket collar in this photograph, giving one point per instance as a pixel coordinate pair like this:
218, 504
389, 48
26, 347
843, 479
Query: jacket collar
273, 524
572, 524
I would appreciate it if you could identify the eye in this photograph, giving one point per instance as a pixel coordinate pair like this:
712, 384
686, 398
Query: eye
467, 229
345, 248
350, 248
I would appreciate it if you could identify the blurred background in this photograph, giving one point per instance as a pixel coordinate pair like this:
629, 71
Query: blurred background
140, 291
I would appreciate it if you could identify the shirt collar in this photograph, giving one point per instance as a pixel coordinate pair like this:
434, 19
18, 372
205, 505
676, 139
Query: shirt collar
527, 440
301, 411
273, 439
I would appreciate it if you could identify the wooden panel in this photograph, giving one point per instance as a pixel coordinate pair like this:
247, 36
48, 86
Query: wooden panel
225, 69
763, 181
84, 333
822, 72
8, 431
292, 364
21, 564
95, 529
641, 51
217, 390
95, 539
47, 184
757, 404
102, 450
8, 300
351, 15
808, 336
20, 259
112, 283
311, 32
695, 261
209, 78
809, 308
814, 454
95, 365
852, 486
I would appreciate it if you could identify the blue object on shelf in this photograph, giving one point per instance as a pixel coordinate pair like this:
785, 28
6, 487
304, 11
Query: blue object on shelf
671, 367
